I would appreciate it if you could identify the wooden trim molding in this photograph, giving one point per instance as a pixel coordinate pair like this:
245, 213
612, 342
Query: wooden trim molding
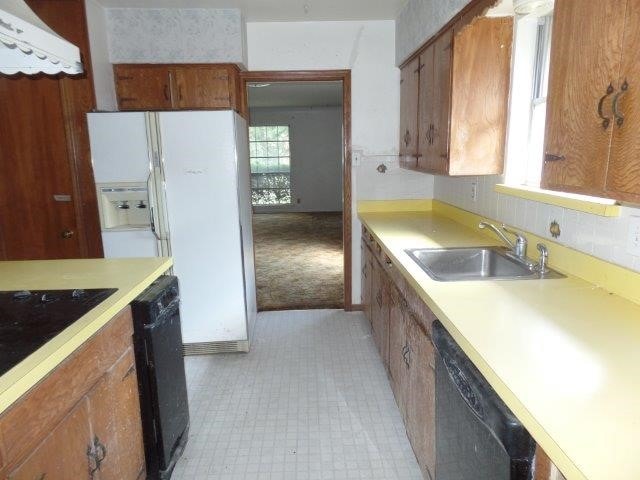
343, 76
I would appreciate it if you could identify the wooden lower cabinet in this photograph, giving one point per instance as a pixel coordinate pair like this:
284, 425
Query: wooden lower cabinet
401, 325
63, 453
404, 343
82, 421
398, 363
118, 429
421, 397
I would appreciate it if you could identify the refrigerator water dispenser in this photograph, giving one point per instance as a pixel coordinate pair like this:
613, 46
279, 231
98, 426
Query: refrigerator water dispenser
123, 206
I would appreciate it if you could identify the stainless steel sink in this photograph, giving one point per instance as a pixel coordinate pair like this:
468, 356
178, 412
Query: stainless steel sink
475, 263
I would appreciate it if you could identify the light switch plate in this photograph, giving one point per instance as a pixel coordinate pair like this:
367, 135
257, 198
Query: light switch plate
633, 240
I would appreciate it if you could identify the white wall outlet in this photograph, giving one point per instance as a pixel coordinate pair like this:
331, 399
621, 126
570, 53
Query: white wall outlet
474, 191
633, 240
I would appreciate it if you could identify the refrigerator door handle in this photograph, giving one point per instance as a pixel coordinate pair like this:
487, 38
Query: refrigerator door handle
152, 221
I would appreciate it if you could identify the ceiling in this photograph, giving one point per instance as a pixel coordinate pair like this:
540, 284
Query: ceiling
296, 94
282, 10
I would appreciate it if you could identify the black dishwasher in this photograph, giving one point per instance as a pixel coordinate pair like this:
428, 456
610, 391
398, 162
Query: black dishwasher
161, 378
477, 436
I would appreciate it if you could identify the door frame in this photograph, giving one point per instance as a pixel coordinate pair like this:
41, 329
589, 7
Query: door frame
343, 76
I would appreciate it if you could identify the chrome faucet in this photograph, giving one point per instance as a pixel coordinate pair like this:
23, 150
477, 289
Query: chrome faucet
544, 258
519, 248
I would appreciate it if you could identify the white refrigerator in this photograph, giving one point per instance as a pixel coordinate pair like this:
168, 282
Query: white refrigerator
178, 184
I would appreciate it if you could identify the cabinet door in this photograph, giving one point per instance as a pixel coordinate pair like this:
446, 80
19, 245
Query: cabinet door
438, 161
586, 48
426, 110
115, 421
63, 455
383, 321
409, 76
398, 366
377, 292
202, 87
623, 173
421, 399
368, 283
365, 291
143, 87
480, 77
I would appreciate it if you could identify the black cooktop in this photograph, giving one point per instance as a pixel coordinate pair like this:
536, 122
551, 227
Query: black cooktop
29, 319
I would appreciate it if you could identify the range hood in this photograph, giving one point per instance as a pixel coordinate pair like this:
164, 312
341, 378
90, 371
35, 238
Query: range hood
29, 46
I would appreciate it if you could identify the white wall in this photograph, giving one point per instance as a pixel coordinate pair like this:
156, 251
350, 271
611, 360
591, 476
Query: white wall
102, 68
602, 237
368, 49
176, 35
419, 20
315, 139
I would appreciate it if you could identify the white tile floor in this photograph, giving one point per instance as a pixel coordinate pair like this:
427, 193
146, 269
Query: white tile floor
310, 401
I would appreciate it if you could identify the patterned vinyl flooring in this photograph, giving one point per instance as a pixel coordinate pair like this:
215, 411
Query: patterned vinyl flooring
310, 401
299, 260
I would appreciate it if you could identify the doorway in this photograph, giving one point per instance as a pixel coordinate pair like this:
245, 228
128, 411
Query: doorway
299, 132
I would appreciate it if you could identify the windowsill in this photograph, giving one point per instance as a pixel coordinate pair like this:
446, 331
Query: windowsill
582, 203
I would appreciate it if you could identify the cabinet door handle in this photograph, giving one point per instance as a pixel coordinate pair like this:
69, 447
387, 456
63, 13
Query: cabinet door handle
407, 138
96, 452
180, 92
619, 117
605, 120
166, 93
379, 298
552, 157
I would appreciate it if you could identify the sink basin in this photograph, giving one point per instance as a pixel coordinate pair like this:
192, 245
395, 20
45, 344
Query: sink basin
474, 263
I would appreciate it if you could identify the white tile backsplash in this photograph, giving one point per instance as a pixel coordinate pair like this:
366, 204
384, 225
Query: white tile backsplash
602, 237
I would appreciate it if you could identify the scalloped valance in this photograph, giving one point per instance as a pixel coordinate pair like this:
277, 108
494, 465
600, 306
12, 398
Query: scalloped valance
29, 46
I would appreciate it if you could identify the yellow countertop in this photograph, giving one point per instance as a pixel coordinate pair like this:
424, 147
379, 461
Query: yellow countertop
129, 276
563, 354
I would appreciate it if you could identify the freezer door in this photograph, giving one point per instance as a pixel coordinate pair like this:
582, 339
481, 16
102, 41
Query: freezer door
199, 156
119, 149
246, 220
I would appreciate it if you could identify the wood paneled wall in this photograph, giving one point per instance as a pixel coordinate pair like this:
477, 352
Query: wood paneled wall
44, 151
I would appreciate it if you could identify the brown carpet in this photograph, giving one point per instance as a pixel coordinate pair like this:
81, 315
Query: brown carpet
299, 260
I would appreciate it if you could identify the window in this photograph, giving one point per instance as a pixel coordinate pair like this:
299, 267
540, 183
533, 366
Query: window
529, 100
539, 102
270, 158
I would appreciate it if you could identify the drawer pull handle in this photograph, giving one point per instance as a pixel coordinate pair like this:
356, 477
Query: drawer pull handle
551, 157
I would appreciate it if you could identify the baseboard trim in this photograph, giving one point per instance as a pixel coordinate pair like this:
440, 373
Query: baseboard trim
356, 307
209, 348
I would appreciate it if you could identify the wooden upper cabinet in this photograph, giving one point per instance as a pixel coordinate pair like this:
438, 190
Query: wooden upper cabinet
409, 113
426, 100
177, 87
623, 173
586, 47
439, 158
203, 87
143, 87
462, 96
481, 73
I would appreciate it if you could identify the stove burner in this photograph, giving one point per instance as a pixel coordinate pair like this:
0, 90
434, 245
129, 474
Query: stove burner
78, 293
48, 298
21, 295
